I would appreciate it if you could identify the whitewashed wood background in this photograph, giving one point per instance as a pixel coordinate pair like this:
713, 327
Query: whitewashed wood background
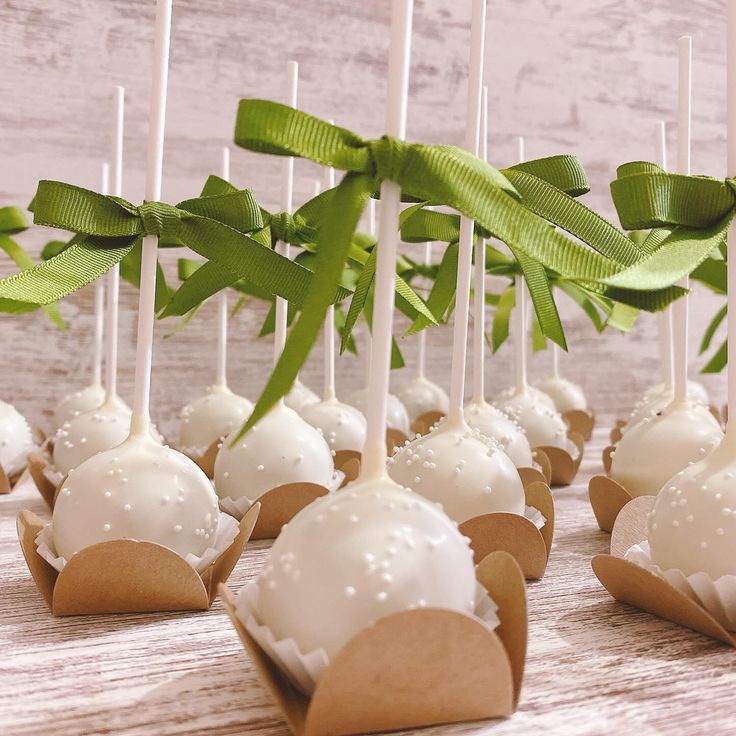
589, 78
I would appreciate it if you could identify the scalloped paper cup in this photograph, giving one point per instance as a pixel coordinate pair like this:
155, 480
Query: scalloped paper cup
535, 516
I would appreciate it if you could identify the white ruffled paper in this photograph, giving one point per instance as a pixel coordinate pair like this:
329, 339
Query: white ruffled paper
227, 530
18, 463
535, 516
238, 507
718, 597
304, 670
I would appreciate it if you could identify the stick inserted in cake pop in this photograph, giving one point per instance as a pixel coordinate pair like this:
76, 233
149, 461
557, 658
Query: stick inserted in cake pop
222, 316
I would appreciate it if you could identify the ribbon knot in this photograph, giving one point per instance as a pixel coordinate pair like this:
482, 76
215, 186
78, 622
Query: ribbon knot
160, 219
283, 227
388, 155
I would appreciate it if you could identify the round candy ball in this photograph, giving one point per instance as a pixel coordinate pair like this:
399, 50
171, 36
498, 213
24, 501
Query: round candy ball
396, 415
692, 527
87, 434
496, 425
460, 469
422, 395
349, 559
342, 425
80, 402
654, 450
140, 490
566, 395
211, 417
281, 448
539, 397
544, 427
16, 438
300, 396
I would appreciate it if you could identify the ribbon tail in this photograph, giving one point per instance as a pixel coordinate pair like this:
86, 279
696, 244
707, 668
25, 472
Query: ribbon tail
207, 280
357, 303
341, 219
502, 317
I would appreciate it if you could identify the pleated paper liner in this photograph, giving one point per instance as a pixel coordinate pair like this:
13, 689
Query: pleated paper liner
127, 576
424, 423
564, 467
630, 583
412, 669
580, 421
515, 534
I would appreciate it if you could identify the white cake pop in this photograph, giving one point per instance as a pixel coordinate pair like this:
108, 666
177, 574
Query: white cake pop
211, 417
300, 396
281, 448
544, 427
16, 438
566, 395
78, 403
396, 415
646, 409
536, 394
460, 469
345, 561
342, 425
654, 450
422, 395
695, 391
493, 423
139, 490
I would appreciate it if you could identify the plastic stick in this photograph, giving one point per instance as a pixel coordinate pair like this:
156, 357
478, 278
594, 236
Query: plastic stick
99, 303
374, 450
520, 326
422, 336
222, 301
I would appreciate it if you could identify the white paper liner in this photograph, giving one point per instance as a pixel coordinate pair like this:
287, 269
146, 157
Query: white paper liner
572, 449
227, 530
238, 507
718, 597
19, 462
304, 670
535, 516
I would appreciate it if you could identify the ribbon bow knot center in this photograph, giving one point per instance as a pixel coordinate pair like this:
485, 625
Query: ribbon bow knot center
160, 219
283, 227
388, 154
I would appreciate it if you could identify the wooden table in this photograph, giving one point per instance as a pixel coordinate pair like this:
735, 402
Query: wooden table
594, 666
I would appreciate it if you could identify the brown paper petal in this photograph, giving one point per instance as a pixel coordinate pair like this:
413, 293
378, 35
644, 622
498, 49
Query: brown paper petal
348, 462
5, 486
412, 669
581, 422
607, 457
564, 467
616, 432
607, 497
424, 422
631, 524
394, 439
38, 469
542, 459
280, 505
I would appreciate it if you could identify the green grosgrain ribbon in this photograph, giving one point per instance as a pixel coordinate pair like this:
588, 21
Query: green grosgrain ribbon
432, 173
12, 222
109, 228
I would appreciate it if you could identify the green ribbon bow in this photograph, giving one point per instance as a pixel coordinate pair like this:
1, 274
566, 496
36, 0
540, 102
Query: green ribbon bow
109, 228
429, 173
690, 216
12, 222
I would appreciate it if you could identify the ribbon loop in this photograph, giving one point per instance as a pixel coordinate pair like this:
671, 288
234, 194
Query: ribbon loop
388, 155
160, 219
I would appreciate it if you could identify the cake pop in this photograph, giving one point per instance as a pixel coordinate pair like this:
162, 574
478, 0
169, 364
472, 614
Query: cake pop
16, 439
300, 396
566, 395
496, 425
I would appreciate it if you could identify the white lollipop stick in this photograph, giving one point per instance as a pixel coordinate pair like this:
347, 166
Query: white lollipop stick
680, 307
374, 450
422, 336
479, 280
555, 360
731, 166
287, 189
113, 275
141, 420
520, 325
369, 334
665, 316
465, 251
222, 301
99, 304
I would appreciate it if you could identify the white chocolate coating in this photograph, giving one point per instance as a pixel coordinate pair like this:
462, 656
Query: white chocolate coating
342, 425
281, 448
211, 417
422, 395
462, 470
646, 409
538, 395
80, 402
139, 490
653, 451
397, 416
300, 396
16, 438
349, 559
565, 394
695, 391
498, 426
544, 427
692, 527
87, 434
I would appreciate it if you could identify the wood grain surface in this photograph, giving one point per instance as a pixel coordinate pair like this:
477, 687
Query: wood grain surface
594, 666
